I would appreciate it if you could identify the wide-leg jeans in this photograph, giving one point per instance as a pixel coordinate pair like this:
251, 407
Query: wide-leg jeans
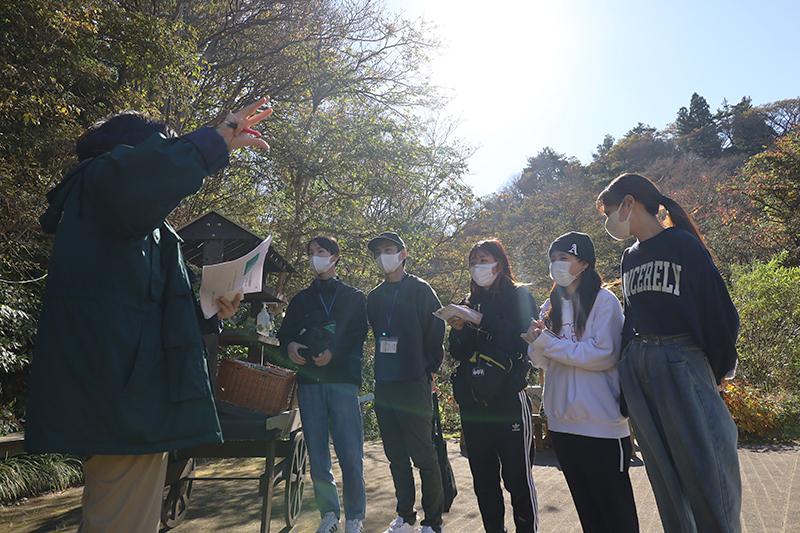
686, 434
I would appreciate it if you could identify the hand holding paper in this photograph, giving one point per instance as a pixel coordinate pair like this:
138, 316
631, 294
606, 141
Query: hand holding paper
460, 312
227, 308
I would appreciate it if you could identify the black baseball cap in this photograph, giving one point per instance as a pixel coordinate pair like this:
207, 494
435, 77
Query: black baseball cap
386, 236
575, 243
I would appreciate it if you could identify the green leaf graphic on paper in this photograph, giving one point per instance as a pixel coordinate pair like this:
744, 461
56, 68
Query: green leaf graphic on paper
250, 264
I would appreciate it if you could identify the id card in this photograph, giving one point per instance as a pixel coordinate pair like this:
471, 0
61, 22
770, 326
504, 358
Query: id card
388, 345
330, 326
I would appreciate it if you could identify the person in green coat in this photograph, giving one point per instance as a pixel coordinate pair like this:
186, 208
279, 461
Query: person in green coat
119, 371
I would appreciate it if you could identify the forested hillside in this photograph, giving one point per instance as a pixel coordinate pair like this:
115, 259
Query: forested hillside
734, 170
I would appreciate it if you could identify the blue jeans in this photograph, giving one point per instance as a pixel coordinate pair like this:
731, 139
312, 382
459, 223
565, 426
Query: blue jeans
686, 434
332, 411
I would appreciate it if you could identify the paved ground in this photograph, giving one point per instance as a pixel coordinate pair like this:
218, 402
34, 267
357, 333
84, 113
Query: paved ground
771, 502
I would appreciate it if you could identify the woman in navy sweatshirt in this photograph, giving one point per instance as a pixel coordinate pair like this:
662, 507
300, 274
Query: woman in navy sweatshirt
680, 329
498, 429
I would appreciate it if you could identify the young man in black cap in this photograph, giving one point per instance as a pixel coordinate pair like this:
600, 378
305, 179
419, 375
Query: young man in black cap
408, 350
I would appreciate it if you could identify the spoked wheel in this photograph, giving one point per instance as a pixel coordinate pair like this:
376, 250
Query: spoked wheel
295, 478
173, 511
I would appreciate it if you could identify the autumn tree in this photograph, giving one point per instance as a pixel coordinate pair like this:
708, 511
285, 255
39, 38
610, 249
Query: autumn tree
771, 180
528, 219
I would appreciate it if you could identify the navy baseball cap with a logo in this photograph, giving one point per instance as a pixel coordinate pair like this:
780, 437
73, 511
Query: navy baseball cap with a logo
575, 243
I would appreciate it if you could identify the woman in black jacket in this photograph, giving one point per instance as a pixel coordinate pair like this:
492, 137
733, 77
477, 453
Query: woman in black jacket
497, 426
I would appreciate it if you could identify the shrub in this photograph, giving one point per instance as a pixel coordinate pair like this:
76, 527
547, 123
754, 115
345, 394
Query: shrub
8, 420
754, 413
767, 296
763, 418
29, 475
448, 408
19, 313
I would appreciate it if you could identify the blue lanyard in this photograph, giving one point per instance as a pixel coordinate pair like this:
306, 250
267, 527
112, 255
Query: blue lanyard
386, 306
328, 309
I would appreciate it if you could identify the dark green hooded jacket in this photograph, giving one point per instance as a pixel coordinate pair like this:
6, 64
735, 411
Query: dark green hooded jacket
119, 365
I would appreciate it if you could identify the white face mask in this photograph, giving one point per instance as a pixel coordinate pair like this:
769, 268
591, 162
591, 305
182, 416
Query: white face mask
482, 274
320, 265
388, 262
619, 229
559, 272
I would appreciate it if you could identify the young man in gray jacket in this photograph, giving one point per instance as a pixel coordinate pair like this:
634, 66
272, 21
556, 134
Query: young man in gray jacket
408, 350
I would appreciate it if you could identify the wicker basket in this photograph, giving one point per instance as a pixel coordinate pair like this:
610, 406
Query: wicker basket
267, 389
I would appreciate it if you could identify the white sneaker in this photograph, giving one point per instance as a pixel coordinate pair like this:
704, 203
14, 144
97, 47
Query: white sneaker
428, 529
329, 524
353, 526
399, 526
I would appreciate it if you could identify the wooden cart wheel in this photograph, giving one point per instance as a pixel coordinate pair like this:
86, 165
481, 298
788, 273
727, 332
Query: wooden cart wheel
295, 478
173, 511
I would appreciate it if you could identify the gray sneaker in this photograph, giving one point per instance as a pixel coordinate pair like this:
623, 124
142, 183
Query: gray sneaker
329, 524
353, 526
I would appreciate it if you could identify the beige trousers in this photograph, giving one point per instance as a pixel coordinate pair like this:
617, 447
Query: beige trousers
123, 493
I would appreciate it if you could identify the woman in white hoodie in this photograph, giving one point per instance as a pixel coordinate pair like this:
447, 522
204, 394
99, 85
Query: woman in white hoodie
578, 345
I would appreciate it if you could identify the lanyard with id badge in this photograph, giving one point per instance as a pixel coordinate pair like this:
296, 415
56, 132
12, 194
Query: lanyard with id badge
386, 343
329, 324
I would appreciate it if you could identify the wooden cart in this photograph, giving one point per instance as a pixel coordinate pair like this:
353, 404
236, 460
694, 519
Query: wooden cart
211, 239
246, 434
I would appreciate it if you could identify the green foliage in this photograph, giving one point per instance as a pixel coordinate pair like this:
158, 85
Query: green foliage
697, 129
66, 64
638, 149
18, 317
698, 116
9, 423
29, 475
19, 313
371, 430
767, 296
448, 408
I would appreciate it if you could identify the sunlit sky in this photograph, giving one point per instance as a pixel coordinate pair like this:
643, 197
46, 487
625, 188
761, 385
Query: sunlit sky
526, 74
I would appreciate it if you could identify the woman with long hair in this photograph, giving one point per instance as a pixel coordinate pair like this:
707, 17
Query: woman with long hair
578, 344
497, 427
680, 329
